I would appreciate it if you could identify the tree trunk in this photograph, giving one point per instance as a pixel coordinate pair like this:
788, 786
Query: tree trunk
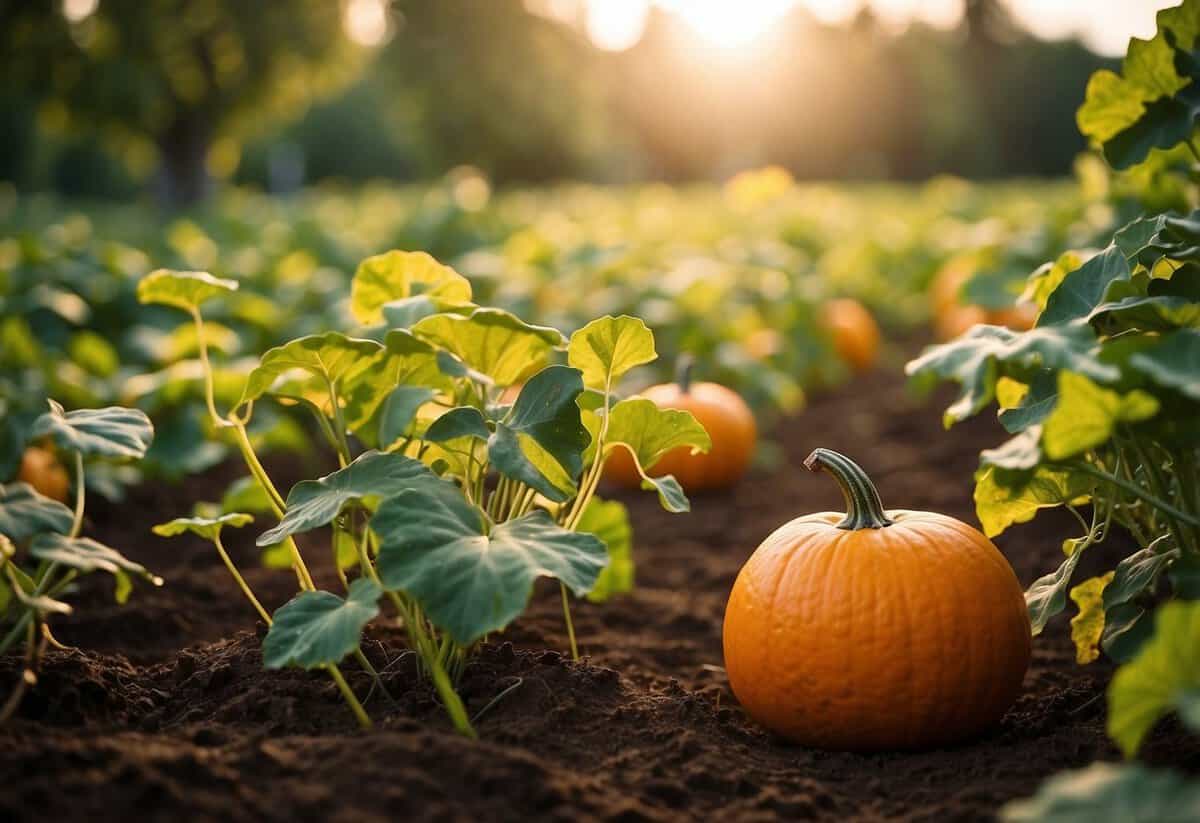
183, 178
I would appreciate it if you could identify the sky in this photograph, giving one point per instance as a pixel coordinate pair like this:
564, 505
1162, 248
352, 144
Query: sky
1106, 25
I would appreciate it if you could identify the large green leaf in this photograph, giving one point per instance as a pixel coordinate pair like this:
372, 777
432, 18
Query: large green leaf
1173, 362
1163, 677
314, 503
648, 432
977, 359
1035, 406
112, 432
24, 513
87, 555
1110, 793
609, 521
541, 440
1003, 498
332, 357
608, 347
471, 581
319, 628
399, 410
207, 527
1086, 415
1084, 289
492, 342
182, 289
460, 422
396, 275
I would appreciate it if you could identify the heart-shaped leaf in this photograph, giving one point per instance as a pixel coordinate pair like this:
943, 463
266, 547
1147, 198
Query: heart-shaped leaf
87, 555
609, 521
608, 347
396, 275
331, 356
399, 410
113, 432
541, 440
207, 527
1003, 498
1155, 682
492, 342
435, 546
182, 289
24, 513
648, 432
315, 503
319, 628
460, 422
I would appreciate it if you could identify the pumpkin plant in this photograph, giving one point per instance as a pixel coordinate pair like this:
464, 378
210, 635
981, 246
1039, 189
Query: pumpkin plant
1102, 399
448, 499
42, 550
875, 629
721, 412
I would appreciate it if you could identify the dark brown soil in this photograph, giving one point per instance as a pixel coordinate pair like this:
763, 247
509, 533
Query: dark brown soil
166, 713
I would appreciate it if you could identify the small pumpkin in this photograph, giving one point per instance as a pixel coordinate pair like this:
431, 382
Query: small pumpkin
875, 629
723, 414
41, 469
854, 332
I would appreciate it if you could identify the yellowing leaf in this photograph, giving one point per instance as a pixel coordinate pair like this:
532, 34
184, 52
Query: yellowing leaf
182, 289
1010, 392
1086, 415
397, 275
1088, 625
999, 506
608, 347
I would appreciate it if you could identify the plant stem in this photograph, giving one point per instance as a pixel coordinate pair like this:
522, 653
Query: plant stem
566, 604
360, 713
1138, 492
339, 422
80, 496
864, 509
241, 581
206, 365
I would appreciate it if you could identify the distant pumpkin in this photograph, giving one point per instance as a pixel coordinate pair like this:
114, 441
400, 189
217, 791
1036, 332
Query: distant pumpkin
41, 469
854, 332
725, 416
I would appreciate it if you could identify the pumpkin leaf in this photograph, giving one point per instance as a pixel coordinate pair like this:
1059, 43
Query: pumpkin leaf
977, 359
999, 506
315, 503
397, 275
87, 555
540, 441
1136, 573
207, 527
1088, 624
1127, 627
609, 521
112, 432
185, 290
403, 313
399, 410
245, 495
608, 347
1035, 406
648, 432
470, 580
319, 628
460, 422
1171, 362
1019, 453
492, 342
1110, 793
1163, 677
331, 356
1086, 415
1048, 594
1082, 290
24, 512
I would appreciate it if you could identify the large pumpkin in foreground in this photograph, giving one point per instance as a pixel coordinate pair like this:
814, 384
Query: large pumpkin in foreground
875, 630
723, 414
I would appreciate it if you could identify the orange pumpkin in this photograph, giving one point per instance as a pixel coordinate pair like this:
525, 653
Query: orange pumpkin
957, 320
875, 629
1018, 317
854, 332
722, 413
41, 469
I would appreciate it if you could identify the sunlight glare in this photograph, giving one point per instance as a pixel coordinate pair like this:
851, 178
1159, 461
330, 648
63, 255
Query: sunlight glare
729, 24
616, 25
365, 21
76, 11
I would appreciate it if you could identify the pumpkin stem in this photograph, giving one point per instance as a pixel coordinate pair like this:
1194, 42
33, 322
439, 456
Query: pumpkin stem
684, 364
864, 509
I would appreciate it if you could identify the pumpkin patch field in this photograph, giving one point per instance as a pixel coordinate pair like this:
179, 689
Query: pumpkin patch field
666, 496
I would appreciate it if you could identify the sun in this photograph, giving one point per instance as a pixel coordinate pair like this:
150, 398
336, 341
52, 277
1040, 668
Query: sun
728, 24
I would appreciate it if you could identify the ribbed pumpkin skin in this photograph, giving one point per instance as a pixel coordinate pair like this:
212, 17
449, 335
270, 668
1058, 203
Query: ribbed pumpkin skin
854, 331
910, 636
728, 421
